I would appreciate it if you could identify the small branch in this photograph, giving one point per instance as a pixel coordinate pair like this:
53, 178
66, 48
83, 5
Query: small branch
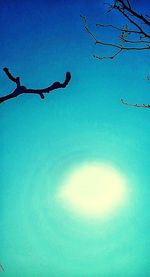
54, 86
13, 79
22, 89
133, 22
113, 45
110, 7
2, 267
129, 5
120, 47
108, 57
134, 13
135, 105
117, 28
123, 30
136, 41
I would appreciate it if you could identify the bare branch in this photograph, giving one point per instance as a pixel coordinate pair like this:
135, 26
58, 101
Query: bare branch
133, 12
135, 105
130, 39
133, 22
22, 89
117, 28
108, 57
136, 41
120, 47
139, 41
13, 79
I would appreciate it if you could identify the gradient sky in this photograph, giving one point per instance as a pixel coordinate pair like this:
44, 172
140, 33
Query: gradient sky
41, 140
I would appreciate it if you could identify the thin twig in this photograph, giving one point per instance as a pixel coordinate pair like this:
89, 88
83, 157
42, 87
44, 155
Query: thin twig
117, 28
135, 105
108, 57
120, 47
136, 41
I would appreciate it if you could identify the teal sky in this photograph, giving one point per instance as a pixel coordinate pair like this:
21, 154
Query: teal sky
41, 140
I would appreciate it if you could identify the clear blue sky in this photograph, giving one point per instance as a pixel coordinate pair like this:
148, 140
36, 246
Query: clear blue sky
42, 139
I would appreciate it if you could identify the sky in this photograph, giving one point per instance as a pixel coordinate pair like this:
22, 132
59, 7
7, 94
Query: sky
43, 141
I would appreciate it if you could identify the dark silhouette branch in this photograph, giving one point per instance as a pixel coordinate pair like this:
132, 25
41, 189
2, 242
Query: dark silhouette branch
22, 89
117, 28
108, 57
133, 22
139, 37
131, 11
132, 36
135, 105
16, 80
129, 5
124, 46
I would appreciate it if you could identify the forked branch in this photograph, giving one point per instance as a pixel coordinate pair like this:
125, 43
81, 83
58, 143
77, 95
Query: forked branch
124, 44
22, 89
132, 36
137, 28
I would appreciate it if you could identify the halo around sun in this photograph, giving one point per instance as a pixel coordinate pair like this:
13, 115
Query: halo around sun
93, 190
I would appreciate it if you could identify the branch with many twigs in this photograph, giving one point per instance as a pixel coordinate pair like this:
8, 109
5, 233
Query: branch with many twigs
23, 90
132, 36
125, 45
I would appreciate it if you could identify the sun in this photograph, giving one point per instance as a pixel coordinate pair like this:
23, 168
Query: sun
93, 190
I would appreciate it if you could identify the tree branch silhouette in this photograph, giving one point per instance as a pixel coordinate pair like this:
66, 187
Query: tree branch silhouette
135, 105
132, 36
23, 90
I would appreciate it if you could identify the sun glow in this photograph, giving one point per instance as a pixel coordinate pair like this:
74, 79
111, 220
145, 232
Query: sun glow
93, 190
